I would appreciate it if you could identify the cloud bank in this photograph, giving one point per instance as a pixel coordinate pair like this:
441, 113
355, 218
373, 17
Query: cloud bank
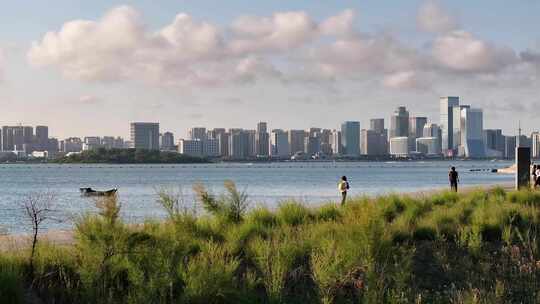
288, 47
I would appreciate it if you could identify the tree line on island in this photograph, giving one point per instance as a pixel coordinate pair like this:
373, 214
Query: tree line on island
130, 156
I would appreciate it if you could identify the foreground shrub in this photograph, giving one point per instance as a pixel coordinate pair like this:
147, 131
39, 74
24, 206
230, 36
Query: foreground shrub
11, 280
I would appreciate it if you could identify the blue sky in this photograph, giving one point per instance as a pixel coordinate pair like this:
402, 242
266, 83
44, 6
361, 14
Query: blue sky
277, 79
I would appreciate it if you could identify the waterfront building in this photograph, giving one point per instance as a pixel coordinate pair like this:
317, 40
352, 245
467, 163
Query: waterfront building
238, 144
510, 147
312, 145
377, 125
280, 144
399, 146
215, 132
91, 143
535, 145
416, 130
145, 135
262, 139
223, 142
167, 142
18, 138
191, 147
429, 146
296, 141
337, 147
472, 133
494, 142
373, 143
399, 123
350, 138
197, 133
446, 122
42, 138
457, 127
252, 143
211, 147
71, 145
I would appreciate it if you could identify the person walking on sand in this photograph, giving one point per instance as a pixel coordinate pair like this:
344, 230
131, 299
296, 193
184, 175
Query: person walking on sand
343, 186
453, 177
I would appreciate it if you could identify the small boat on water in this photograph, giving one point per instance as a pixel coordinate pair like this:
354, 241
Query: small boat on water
92, 192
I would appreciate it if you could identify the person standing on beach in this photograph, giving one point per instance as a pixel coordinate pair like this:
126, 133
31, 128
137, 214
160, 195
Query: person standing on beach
343, 186
537, 181
453, 177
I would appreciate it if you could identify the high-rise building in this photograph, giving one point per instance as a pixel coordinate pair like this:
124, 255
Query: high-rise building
191, 147
262, 139
399, 146
377, 125
145, 135
428, 146
457, 126
510, 147
252, 143
296, 141
374, 143
211, 147
432, 130
350, 138
167, 142
494, 142
223, 141
238, 144
337, 146
535, 144
312, 145
197, 133
214, 133
72, 144
472, 133
18, 138
416, 130
42, 138
446, 122
280, 144
399, 123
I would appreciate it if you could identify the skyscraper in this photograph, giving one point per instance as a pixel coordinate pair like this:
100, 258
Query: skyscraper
197, 133
416, 130
494, 142
145, 135
472, 133
446, 122
399, 123
42, 138
296, 141
337, 146
535, 144
262, 139
457, 126
238, 144
350, 138
167, 141
377, 125
280, 144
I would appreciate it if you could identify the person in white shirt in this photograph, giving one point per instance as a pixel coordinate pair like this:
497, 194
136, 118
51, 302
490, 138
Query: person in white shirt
537, 181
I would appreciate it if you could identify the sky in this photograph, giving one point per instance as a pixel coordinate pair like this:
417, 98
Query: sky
88, 68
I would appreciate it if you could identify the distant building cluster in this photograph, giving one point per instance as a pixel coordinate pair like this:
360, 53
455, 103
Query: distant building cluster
459, 133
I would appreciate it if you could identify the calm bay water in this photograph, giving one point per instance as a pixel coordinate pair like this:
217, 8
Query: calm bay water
266, 183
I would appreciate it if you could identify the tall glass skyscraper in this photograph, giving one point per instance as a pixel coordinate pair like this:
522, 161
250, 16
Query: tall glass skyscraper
446, 123
350, 138
472, 133
399, 123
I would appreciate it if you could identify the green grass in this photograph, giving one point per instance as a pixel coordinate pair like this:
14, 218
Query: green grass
478, 247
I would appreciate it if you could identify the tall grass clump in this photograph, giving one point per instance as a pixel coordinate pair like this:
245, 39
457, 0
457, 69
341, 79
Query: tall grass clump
293, 214
230, 206
11, 280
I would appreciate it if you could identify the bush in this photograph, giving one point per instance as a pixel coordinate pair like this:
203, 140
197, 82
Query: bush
293, 214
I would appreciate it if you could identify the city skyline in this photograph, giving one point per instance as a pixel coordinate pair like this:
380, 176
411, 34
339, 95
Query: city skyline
183, 64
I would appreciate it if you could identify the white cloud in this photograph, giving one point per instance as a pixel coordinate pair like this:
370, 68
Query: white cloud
434, 19
280, 32
461, 51
401, 80
341, 24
